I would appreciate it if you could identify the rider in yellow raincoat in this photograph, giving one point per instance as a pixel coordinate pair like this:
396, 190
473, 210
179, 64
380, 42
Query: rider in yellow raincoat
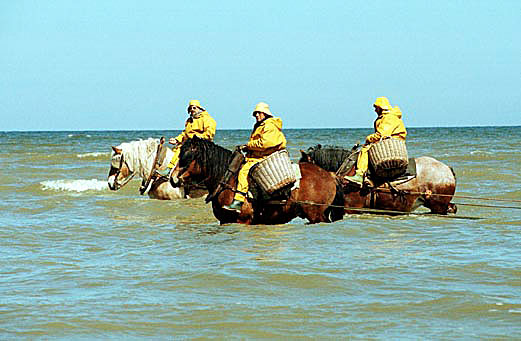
266, 138
388, 124
199, 124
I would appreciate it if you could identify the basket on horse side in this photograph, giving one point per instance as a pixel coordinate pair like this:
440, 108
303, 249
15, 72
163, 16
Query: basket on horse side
388, 157
274, 172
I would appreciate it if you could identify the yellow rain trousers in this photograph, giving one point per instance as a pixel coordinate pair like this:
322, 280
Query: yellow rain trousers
389, 124
203, 127
266, 138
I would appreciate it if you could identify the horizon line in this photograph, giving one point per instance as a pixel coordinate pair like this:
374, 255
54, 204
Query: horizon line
410, 127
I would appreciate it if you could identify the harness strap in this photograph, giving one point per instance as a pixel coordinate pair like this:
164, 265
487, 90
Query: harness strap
127, 180
232, 169
144, 184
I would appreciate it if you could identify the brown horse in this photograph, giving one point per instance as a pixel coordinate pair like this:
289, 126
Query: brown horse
137, 158
433, 186
315, 199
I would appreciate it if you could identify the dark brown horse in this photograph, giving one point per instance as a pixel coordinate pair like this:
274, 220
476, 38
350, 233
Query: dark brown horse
315, 199
432, 187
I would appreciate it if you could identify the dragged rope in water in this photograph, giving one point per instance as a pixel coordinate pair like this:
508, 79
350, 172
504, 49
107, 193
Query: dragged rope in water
491, 206
451, 195
376, 210
384, 190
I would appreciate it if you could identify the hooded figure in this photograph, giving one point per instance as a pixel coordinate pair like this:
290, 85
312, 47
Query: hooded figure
388, 124
265, 139
199, 124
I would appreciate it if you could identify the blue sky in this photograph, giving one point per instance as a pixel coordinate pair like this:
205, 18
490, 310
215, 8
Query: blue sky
103, 65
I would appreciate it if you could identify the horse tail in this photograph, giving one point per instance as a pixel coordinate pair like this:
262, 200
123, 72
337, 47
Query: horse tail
453, 173
452, 207
336, 210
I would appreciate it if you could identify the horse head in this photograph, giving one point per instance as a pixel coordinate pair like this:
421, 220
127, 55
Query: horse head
330, 158
120, 173
200, 161
308, 155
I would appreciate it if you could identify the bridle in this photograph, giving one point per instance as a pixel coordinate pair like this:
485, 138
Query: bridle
117, 165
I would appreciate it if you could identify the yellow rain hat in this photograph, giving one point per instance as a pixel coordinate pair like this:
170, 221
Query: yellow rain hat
263, 107
196, 103
382, 102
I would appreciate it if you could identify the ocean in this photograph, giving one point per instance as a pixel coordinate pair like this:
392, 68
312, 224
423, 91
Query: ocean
81, 262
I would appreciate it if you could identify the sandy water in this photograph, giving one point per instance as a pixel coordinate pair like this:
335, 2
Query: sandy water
78, 261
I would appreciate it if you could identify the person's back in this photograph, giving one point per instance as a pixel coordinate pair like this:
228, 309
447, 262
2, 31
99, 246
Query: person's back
388, 124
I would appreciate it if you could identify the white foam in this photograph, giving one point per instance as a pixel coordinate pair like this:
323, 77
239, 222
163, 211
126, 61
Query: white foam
79, 135
481, 152
75, 185
94, 154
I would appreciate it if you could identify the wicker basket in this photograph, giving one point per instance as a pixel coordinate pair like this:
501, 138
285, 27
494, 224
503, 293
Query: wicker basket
389, 157
274, 172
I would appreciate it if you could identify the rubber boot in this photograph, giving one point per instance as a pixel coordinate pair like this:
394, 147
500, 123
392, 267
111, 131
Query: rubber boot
357, 179
164, 172
235, 206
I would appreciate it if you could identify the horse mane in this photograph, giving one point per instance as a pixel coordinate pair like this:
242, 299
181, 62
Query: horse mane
139, 155
329, 157
212, 157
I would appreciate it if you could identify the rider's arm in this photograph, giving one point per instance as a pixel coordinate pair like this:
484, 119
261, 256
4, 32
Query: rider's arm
209, 126
384, 128
271, 136
183, 136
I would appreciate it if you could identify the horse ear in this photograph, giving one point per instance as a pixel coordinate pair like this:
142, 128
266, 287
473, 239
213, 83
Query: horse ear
305, 156
116, 150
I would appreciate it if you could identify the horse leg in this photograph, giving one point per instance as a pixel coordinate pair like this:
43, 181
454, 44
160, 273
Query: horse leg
162, 190
317, 194
438, 201
437, 184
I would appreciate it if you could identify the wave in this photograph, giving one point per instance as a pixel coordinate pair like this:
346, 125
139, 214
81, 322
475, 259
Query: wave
93, 155
78, 135
483, 152
75, 185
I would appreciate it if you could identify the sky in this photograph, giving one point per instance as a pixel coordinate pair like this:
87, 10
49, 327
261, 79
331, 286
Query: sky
134, 65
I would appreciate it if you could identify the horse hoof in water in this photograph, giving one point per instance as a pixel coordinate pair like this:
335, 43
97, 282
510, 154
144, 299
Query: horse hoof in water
452, 208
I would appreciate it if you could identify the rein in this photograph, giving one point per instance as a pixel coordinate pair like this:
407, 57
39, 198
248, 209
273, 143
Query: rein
145, 183
231, 170
116, 175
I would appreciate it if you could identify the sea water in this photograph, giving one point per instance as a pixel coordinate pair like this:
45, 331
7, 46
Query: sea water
78, 261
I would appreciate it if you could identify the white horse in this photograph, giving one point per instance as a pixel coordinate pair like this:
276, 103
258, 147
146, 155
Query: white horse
137, 158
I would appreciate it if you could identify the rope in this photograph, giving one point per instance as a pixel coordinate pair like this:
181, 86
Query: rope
491, 206
462, 197
455, 196
375, 210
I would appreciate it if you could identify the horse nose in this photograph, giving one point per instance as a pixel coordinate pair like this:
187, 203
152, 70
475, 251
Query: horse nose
111, 181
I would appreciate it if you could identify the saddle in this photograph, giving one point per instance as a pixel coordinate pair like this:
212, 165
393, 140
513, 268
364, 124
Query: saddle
405, 175
270, 181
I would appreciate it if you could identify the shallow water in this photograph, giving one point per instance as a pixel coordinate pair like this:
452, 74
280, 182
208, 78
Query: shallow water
81, 262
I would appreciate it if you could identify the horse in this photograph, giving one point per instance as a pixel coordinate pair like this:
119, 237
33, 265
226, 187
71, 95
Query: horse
433, 186
317, 198
137, 158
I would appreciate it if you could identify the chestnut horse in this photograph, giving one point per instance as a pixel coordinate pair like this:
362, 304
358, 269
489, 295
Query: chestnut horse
432, 187
315, 199
137, 158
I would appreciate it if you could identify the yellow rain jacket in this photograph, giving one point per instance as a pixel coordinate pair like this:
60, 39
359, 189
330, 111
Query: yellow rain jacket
266, 138
389, 123
203, 126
